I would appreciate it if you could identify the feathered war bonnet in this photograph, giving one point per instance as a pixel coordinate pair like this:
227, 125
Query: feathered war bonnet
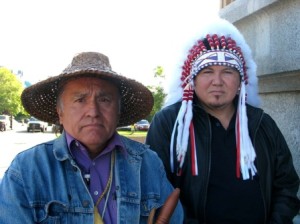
219, 43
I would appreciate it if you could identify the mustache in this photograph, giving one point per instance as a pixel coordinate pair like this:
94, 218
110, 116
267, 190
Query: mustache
91, 122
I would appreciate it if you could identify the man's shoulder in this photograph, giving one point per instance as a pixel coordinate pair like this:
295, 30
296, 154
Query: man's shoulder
173, 107
37, 151
39, 157
254, 109
132, 146
167, 114
136, 148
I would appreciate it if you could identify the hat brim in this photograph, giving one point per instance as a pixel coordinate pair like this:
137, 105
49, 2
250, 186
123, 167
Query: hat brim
40, 99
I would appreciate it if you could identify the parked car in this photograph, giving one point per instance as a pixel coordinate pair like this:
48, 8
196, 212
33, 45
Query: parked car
142, 125
36, 125
4, 122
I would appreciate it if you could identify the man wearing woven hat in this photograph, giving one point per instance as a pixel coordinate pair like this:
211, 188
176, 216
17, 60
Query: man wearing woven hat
90, 174
227, 156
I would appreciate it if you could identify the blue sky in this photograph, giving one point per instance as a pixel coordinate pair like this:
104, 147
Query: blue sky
41, 37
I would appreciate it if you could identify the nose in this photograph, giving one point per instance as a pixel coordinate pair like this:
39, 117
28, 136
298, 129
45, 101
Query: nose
93, 109
217, 79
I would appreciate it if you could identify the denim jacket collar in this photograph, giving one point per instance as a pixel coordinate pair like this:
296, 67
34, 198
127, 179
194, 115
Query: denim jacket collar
133, 150
60, 148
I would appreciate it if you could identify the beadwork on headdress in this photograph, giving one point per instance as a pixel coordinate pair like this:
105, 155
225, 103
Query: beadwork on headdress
216, 48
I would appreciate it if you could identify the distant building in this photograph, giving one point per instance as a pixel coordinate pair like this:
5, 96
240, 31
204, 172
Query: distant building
19, 74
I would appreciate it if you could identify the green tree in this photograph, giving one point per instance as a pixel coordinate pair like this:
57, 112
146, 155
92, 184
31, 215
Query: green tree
159, 73
157, 91
10, 92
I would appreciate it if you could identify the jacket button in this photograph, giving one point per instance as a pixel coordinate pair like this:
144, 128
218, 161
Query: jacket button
85, 203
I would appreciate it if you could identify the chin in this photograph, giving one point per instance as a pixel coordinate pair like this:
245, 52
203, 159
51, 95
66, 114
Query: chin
217, 104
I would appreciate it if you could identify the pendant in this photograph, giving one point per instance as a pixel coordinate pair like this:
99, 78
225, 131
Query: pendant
97, 217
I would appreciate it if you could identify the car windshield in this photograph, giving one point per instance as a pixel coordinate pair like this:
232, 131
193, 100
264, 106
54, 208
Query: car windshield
33, 119
2, 117
143, 122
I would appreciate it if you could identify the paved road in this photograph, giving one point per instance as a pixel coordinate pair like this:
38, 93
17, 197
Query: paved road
14, 141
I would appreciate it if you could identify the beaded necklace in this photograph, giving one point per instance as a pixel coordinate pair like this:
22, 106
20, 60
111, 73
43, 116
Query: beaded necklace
97, 218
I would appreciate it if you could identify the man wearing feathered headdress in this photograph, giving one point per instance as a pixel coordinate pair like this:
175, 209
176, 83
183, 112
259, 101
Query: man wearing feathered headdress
227, 156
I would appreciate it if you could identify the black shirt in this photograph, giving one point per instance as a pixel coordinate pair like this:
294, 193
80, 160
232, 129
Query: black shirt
230, 200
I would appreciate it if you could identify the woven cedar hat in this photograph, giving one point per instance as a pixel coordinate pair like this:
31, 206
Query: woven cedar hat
40, 99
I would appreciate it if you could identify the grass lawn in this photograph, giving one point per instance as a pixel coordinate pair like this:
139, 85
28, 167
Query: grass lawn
129, 134
138, 136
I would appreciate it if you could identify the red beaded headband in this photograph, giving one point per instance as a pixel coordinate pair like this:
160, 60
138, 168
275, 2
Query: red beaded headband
217, 45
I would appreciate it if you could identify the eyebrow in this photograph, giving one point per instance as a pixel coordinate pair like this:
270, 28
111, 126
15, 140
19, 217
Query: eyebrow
86, 93
211, 69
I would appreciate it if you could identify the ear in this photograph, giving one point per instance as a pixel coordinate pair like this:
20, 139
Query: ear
60, 114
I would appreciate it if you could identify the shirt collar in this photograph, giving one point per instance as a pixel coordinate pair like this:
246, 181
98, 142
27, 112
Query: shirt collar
114, 143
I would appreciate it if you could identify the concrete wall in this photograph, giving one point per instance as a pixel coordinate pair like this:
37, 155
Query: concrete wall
272, 29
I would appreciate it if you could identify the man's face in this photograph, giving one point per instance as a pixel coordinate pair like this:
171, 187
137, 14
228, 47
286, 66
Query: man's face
88, 109
217, 86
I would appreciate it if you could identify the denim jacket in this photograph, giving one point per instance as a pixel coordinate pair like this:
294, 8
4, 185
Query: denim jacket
44, 185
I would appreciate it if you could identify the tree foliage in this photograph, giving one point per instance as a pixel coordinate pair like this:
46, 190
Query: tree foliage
157, 92
10, 93
159, 72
